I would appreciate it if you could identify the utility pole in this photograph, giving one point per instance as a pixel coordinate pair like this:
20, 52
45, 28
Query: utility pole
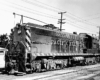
99, 35
99, 31
60, 21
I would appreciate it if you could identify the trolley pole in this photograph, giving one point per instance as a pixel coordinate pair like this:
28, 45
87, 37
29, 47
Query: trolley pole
60, 21
21, 20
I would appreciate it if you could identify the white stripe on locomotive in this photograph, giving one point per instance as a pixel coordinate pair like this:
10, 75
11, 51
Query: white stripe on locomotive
28, 39
28, 32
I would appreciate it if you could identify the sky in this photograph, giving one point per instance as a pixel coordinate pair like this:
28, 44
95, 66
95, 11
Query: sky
82, 16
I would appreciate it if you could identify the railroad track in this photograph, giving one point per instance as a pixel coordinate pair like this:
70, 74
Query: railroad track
61, 73
68, 73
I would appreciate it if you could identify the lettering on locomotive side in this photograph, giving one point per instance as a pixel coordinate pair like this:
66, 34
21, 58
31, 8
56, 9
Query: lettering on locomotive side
55, 41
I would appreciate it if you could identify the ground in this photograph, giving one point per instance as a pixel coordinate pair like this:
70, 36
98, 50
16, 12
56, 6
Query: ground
91, 72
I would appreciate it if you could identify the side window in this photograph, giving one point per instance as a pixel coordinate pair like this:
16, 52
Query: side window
70, 46
1, 52
67, 46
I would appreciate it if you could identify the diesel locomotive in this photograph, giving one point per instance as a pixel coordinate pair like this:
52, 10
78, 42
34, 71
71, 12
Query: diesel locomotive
36, 47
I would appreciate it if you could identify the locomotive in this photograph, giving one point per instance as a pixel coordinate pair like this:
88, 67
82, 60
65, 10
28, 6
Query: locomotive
36, 47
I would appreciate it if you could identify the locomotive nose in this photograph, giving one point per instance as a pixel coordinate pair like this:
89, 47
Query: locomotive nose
15, 58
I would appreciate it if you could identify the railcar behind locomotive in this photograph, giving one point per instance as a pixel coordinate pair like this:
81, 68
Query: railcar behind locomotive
91, 44
35, 47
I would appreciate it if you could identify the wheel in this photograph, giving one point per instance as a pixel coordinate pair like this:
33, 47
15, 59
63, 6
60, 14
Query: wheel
38, 67
48, 67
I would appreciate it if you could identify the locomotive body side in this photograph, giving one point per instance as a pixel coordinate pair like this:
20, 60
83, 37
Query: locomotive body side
49, 42
52, 48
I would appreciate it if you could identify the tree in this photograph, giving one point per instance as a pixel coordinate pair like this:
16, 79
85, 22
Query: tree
4, 40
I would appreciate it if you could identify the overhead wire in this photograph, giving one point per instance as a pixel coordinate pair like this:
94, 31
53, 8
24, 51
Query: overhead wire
92, 18
32, 10
25, 10
25, 16
96, 14
38, 5
32, 3
82, 21
56, 9
22, 9
56, 18
78, 26
78, 19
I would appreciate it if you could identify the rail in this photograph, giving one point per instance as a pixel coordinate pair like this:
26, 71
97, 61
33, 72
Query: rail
54, 74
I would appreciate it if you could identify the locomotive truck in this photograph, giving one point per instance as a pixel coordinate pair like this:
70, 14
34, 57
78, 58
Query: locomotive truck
36, 47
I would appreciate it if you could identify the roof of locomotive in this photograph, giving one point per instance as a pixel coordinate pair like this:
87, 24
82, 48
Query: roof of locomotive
53, 29
85, 35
